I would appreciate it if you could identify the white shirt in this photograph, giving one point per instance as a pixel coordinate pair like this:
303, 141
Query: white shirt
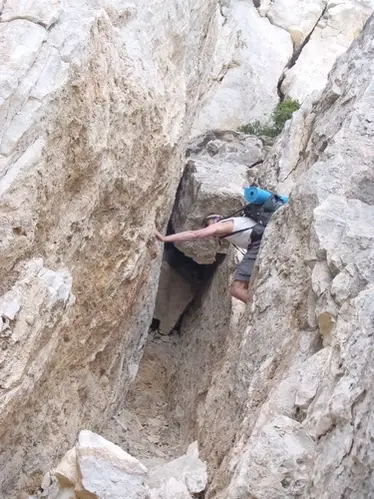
242, 239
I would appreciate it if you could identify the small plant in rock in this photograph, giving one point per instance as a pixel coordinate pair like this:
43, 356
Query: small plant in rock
283, 112
280, 115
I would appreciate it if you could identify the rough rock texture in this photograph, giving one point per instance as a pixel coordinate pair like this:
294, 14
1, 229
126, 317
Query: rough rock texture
107, 471
96, 101
98, 469
339, 25
143, 426
283, 406
186, 470
219, 165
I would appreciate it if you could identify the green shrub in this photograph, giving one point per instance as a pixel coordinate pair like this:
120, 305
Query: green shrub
283, 112
280, 115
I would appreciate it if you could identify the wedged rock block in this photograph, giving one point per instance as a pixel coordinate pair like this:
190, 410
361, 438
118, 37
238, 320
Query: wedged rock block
219, 164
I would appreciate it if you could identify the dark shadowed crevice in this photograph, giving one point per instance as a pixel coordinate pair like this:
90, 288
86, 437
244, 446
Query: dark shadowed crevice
197, 275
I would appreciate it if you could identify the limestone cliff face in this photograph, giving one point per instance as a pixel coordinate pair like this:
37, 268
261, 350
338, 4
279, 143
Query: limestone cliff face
284, 47
96, 102
284, 407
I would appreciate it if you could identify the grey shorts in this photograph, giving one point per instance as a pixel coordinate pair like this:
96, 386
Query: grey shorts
245, 267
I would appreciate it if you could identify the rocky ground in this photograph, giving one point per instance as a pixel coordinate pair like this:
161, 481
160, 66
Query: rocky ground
145, 426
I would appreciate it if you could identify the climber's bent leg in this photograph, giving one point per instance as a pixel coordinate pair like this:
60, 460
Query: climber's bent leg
239, 290
240, 285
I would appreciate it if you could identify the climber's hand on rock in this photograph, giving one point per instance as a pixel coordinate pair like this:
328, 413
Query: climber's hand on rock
160, 237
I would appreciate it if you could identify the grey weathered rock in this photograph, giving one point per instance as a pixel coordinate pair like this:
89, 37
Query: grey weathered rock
218, 166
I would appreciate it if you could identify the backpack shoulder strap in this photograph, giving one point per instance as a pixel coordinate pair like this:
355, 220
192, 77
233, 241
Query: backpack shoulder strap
233, 214
235, 232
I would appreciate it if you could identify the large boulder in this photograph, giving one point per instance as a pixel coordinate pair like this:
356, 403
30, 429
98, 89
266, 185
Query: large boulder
219, 164
95, 468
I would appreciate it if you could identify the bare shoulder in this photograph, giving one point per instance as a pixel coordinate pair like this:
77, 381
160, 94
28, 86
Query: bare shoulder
224, 227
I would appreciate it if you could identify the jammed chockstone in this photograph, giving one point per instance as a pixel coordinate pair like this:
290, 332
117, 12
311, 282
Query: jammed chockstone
219, 164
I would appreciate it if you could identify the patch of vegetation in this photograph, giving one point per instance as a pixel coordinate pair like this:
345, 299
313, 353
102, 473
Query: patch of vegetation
273, 128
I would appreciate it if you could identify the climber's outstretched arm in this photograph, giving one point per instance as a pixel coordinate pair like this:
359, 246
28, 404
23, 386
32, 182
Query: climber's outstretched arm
214, 230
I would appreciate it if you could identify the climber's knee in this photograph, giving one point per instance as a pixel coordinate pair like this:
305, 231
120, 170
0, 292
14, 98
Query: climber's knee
239, 290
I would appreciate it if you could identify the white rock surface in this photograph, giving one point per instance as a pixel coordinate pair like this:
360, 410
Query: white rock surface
107, 471
297, 17
97, 468
96, 102
172, 489
41, 12
340, 24
255, 48
187, 470
249, 59
67, 471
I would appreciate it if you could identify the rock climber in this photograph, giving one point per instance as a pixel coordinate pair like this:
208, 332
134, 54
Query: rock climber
238, 231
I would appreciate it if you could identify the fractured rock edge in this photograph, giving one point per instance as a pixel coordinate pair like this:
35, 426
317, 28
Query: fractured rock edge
96, 467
